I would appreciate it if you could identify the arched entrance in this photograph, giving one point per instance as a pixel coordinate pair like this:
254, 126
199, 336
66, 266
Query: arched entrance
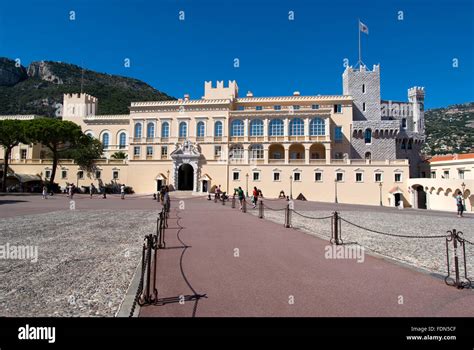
420, 197
185, 177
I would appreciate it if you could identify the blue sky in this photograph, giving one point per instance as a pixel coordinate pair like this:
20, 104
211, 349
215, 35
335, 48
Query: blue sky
277, 56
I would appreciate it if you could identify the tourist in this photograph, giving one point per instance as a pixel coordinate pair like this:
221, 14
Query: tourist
71, 190
254, 197
260, 194
91, 190
240, 193
166, 200
460, 204
104, 192
45, 192
122, 191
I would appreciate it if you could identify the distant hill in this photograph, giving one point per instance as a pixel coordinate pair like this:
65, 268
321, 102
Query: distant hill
450, 129
39, 87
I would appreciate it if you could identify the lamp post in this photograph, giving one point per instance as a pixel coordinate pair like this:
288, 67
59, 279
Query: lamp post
380, 187
335, 190
291, 186
168, 177
463, 185
247, 185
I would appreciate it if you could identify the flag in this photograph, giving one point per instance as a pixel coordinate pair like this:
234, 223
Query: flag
363, 28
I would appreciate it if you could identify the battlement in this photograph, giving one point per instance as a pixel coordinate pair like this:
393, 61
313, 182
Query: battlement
417, 92
362, 68
220, 91
79, 105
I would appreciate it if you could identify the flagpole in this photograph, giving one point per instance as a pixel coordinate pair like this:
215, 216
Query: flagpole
358, 28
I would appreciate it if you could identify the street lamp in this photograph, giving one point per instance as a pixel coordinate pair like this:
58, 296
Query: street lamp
380, 187
335, 190
247, 185
291, 186
463, 185
168, 177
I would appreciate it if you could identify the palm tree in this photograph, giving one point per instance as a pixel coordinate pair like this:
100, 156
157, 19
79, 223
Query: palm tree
119, 155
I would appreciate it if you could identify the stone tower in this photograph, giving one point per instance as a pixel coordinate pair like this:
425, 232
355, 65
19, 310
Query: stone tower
78, 106
416, 96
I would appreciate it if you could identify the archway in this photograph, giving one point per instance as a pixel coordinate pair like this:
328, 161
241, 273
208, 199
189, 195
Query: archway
317, 151
296, 151
276, 151
420, 197
185, 177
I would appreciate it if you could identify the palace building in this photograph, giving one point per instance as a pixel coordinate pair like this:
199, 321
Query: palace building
350, 148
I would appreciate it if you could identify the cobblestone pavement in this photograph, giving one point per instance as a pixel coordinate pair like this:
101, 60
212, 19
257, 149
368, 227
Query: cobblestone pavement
86, 259
429, 254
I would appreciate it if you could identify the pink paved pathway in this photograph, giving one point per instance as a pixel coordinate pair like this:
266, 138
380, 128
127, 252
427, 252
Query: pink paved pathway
276, 264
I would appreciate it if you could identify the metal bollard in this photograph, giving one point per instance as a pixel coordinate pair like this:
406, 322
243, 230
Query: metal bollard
336, 229
215, 198
244, 205
287, 216
456, 237
260, 209
223, 200
233, 202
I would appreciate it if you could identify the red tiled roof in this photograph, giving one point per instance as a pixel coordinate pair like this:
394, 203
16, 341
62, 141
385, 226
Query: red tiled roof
451, 157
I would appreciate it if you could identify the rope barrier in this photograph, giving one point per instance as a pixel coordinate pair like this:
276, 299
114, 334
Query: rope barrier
390, 234
274, 209
310, 217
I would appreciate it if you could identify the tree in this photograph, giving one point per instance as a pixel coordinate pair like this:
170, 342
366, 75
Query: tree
119, 155
64, 139
12, 133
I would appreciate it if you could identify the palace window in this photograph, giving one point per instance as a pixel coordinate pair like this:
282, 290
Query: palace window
368, 136
164, 151
138, 130
236, 152
461, 174
338, 108
165, 130
98, 174
276, 127
240, 108
218, 129
115, 174
200, 129
339, 176
433, 174
368, 155
80, 174
23, 153
258, 108
338, 134
256, 176
150, 130
256, 127
363, 106
64, 174
446, 174
256, 151
277, 108
47, 174
236, 175
105, 140
314, 106
378, 177
276, 176
149, 151
297, 176
183, 130
296, 107
359, 177
404, 123
363, 88
136, 151
317, 127
398, 177
122, 140
237, 128
217, 151
318, 176
296, 127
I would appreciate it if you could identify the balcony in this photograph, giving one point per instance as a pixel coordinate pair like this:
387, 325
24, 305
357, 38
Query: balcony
256, 138
297, 138
276, 138
297, 161
317, 161
237, 139
217, 138
276, 161
320, 138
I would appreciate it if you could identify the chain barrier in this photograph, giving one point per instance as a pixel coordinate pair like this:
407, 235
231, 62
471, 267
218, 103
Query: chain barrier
310, 217
456, 237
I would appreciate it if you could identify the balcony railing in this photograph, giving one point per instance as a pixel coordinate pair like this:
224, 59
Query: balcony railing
317, 161
297, 161
237, 139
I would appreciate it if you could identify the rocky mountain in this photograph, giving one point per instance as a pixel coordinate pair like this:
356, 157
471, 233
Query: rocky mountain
38, 88
450, 129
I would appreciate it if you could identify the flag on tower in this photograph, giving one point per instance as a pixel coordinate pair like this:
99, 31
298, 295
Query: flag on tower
363, 28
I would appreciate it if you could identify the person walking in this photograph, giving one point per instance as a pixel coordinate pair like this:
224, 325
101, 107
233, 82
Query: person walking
166, 200
122, 191
254, 197
240, 193
92, 190
45, 192
460, 204
72, 188
104, 192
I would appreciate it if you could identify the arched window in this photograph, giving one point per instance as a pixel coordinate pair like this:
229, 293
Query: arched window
256, 127
183, 130
122, 140
105, 140
138, 130
90, 134
368, 155
297, 127
368, 136
237, 128
276, 127
317, 127
256, 151
404, 122
236, 152
165, 130
218, 129
150, 130
200, 129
